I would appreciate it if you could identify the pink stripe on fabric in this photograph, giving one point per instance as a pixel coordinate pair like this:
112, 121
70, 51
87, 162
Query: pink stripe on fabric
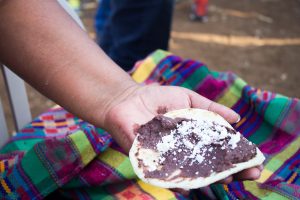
279, 141
212, 88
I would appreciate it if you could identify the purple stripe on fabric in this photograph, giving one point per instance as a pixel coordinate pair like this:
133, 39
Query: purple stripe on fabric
6, 163
2, 191
177, 81
116, 147
27, 130
61, 158
211, 88
24, 137
60, 120
291, 117
169, 61
277, 143
231, 194
184, 66
62, 126
295, 181
179, 196
9, 185
85, 194
252, 125
248, 115
291, 191
238, 106
187, 68
238, 191
290, 164
39, 127
92, 137
97, 173
243, 108
250, 108
182, 72
37, 120
291, 173
98, 142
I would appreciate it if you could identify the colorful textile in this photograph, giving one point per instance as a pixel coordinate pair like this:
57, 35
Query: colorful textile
61, 155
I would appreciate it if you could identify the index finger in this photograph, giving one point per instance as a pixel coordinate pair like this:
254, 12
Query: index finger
198, 101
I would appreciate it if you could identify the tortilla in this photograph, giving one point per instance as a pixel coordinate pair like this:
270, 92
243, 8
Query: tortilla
147, 161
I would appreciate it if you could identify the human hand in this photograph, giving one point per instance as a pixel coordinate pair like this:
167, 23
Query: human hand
140, 104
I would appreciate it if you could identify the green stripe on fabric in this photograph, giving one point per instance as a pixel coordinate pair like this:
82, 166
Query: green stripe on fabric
118, 161
279, 159
215, 74
196, 77
186, 85
262, 133
228, 99
254, 189
274, 195
264, 194
96, 193
37, 172
219, 191
112, 157
158, 55
239, 84
84, 147
20, 145
73, 183
100, 131
275, 109
126, 169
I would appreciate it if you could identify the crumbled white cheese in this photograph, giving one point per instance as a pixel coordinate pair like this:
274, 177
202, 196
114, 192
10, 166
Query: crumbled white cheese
199, 158
188, 144
208, 133
168, 142
234, 139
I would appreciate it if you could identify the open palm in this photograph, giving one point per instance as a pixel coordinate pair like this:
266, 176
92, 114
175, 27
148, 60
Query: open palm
142, 103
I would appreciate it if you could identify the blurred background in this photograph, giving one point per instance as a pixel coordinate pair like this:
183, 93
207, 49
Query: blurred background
259, 40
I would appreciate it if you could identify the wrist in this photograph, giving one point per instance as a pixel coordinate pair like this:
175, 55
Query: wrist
116, 96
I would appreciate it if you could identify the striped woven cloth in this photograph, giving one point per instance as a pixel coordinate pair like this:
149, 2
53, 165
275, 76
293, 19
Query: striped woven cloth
58, 155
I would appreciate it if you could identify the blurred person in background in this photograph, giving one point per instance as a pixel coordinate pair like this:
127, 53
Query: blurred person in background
129, 30
199, 10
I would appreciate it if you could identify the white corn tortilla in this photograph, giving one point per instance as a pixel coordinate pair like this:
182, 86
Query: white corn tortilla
147, 155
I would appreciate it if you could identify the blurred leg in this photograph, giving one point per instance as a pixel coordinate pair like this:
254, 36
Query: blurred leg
137, 28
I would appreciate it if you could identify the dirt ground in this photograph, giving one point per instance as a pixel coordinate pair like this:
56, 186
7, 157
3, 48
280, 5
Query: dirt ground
257, 39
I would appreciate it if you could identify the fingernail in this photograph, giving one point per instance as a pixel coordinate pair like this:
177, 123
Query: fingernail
228, 180
239, 118
257, 174
261, 167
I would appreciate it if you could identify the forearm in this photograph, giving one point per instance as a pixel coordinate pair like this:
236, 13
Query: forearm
42, 44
